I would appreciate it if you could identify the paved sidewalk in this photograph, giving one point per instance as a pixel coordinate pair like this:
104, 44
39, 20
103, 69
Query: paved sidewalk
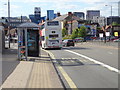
19, 77
9, 62
37, 73
102, 43
43, 75
111, 45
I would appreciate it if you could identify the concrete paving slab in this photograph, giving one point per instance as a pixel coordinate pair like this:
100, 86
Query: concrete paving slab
43, 75
19, 77
39, 73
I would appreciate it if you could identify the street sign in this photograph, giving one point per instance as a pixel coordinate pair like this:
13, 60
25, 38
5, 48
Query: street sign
101, 35
115, 33
107, 33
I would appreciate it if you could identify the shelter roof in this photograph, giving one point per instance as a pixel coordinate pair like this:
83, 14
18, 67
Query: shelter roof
29, 25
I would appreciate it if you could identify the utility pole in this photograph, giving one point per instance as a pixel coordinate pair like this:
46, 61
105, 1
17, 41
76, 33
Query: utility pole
110, 21
71, 20
71, 26
21, 18
9, 22
111, 12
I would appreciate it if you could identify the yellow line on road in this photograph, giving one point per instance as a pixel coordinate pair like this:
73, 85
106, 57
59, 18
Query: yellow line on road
65, 75
67, 78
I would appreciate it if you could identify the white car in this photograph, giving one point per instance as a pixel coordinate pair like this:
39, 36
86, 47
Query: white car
117, 40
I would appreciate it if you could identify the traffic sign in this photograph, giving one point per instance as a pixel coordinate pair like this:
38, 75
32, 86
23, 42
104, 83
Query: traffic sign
101, 35
115, 33
107, 33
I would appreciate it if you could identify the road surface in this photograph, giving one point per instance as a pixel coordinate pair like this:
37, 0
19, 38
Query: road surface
87, 66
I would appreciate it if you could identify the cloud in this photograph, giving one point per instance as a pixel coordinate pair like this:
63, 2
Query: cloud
87, 1
63, 6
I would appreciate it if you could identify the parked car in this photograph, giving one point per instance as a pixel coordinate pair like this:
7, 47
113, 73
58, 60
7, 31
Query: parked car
113, 38
117, 40
79, 39
68, 42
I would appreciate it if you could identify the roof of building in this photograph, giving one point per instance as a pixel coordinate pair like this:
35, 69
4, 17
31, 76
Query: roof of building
29, 25
67, 17
73, 18
1, 24
23, 17
61, 18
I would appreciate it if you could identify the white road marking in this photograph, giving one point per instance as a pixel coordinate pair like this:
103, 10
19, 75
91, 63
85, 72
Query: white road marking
95, 61
110, 52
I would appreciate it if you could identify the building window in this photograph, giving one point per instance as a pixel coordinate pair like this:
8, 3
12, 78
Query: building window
53, 36
53, 31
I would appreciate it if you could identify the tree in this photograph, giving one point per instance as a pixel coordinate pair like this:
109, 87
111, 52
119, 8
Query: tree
74, 34
67, 37
82, 31
64, 32
115, 24
79, 32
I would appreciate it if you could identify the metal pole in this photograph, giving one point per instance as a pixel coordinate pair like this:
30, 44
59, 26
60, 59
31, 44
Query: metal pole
71, 24
9, 21
21, 18
71, 28
111, 23
105, 36
111, 14
26, 46
19, 54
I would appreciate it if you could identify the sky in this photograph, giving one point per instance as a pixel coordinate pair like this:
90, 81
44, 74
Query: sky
26, 7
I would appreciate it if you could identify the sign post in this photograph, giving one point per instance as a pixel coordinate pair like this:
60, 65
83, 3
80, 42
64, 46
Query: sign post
101, 36
116, 34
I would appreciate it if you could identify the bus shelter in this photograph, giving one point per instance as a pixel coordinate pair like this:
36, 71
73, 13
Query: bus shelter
28, 40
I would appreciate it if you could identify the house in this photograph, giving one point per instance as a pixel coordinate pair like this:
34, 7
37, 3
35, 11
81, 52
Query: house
68, 21
62, 19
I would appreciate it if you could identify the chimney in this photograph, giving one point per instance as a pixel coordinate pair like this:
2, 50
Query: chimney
58, 14
69, 13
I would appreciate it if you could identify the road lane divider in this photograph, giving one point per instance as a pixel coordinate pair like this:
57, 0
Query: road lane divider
63, 72
95, 61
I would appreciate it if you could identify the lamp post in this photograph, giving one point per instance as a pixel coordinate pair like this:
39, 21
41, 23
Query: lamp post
9, 21
111, 20
111, 12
